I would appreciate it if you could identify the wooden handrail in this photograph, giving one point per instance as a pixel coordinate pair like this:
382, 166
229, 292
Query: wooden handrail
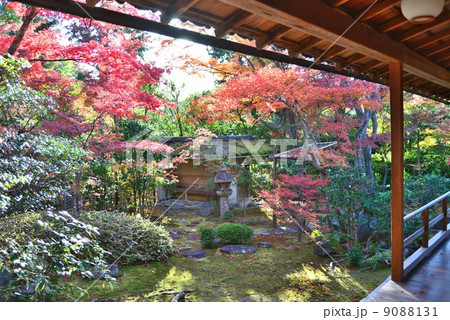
427, 206
427, 244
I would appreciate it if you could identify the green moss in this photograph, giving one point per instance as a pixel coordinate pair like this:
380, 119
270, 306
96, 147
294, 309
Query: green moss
289, 271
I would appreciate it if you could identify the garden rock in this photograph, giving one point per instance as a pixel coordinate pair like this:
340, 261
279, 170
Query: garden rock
238, 248
196, 254
263, 244
363, 232
5, 277
205, 209
322, 249
264, 233
174, 235
111, 271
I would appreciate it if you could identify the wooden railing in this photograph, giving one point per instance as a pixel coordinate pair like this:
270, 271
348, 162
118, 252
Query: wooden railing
427, 244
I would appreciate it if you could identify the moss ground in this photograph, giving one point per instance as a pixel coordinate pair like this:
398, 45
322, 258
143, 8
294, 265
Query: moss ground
289, 271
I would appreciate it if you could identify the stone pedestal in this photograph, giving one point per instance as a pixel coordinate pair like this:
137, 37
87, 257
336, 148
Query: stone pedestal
223, 181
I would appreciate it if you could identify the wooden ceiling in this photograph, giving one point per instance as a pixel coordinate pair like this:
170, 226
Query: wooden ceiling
310, 28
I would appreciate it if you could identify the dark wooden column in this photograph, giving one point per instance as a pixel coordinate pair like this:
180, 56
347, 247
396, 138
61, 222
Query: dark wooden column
397, 205
274, 178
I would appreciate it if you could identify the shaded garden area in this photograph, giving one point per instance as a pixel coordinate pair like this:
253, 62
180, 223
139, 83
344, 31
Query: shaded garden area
87, 160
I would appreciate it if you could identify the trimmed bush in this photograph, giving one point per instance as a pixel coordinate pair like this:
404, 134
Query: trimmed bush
130, 239
207, 236
355, 256
234, 233
35, 248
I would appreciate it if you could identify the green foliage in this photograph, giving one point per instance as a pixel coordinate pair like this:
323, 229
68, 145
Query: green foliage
355, 256
229, 215
35, 170
21, 107
316, 235
38, 247
207, 236
377, 258
234, 233
130, 239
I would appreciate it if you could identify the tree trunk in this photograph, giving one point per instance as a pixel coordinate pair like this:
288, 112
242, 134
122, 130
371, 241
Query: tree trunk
21, 33
76, 190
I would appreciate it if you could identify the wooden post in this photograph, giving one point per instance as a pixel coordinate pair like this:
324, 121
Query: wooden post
426, 227
397, 200
445, 215
274, 178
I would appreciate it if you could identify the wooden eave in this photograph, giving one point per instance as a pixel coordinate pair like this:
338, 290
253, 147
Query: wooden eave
308, 28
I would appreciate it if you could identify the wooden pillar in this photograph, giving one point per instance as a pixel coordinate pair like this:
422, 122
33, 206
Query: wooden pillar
274, 178
445, 215
397, 179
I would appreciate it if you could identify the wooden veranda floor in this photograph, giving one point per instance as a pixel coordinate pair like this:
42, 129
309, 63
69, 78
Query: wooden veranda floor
430, 282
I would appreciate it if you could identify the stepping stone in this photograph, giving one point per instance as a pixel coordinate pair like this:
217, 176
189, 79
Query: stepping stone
174, 235
278, 233
196, 222
238, 248
185, 248
196, 254
287, 230
263, 244
265, 233
193, 238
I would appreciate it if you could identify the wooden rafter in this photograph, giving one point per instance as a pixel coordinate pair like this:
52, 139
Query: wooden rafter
370, 65
177, 8
303, 46
353, 59
378, 8
431, 39
234, 21
436, 49
337, 3
392, 24
443, 19
92, 3
269, 37
330, 53
322, 21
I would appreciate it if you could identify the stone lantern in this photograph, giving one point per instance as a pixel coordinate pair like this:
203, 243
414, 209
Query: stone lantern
223, 181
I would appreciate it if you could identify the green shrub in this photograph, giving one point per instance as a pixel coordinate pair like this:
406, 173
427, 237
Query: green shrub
317, 235
130, 239
355, 256
234, 233
35, 170
37, 248
207, 236
229, 215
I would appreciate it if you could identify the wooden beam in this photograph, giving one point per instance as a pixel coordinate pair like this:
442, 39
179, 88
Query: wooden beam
269, 37
443, 19
324, 22
234, 21
378, 8
176, 9
397, 179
